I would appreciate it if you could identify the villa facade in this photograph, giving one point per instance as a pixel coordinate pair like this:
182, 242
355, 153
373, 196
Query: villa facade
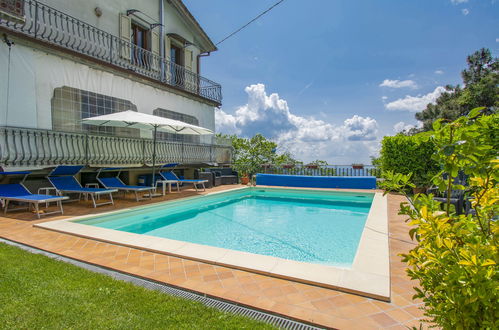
65, 60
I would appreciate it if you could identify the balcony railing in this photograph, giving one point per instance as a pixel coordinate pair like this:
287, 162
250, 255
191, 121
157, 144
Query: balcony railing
55, 27
321, 170
23, 147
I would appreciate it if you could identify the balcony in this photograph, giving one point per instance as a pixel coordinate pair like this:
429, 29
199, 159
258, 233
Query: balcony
52, 26
27, 147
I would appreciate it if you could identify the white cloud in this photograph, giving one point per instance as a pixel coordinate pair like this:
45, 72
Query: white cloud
384, 98
457, 2
225, 123
361, 129
398, 84
465, 11
401, 126
307, 138
439, 72
415, 103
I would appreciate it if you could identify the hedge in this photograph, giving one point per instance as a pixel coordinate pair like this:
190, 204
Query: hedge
409, 154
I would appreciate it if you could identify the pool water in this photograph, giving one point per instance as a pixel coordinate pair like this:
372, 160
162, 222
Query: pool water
302, 225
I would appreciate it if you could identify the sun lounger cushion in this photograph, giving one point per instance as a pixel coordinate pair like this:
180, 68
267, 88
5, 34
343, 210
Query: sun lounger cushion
118, 184
189, 180
171, 176
19, 192
66, 170
69, 184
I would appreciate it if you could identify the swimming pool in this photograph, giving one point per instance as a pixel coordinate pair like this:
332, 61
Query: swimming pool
310, 226
335, 239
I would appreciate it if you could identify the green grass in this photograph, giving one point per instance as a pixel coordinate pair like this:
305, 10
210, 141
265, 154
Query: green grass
39, 292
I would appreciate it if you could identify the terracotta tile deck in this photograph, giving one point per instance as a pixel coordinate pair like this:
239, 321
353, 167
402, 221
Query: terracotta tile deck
311, 304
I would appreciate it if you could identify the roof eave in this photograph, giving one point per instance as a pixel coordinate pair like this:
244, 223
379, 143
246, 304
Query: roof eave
208, 45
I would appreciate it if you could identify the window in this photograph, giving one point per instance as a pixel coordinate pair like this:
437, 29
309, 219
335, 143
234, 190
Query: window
176, 62
140, 36
140, 41
180, 117
71, 105
176, 55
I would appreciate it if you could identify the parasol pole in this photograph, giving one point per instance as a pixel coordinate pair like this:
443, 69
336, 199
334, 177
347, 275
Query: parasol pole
154, 156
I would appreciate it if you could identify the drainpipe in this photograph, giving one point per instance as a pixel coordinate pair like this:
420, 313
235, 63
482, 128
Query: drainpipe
9, 44
198, 60
162, 37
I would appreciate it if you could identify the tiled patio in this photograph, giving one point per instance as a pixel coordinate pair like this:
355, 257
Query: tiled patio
311, 304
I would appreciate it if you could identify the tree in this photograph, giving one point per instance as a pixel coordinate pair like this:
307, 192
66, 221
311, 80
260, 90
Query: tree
480, 64
481, 89
250, 154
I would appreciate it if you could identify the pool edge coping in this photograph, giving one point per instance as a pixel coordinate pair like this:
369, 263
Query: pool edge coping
369, 275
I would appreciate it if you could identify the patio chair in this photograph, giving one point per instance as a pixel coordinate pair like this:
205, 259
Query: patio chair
169, 175
116, 183
19, 193
457, 197
63, 179
225, 175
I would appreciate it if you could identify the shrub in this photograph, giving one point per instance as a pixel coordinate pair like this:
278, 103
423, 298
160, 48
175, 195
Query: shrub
409, 154
456, 257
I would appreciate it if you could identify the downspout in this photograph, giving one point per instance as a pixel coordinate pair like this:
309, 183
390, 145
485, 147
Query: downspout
162, 37
9, 44
198, 60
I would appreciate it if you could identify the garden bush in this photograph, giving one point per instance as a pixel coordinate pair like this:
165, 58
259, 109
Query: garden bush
409, 155
455, 259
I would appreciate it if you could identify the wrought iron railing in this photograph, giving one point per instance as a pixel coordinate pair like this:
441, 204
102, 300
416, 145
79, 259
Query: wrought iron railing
22, 147
53, 26
321, 170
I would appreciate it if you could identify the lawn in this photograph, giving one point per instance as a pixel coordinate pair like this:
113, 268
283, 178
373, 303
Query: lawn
39, 292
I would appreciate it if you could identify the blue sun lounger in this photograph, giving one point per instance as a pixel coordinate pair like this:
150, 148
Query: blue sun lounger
19, 193
64, 181
116, 183
169, 175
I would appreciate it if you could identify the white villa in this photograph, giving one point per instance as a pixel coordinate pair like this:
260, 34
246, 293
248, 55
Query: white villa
65, 60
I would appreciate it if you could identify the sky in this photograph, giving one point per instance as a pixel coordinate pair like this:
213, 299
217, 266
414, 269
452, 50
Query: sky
327, 79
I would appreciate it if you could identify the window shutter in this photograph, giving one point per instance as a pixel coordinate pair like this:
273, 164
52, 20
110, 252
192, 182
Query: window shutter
190, 79
188, 59
167, 48
125, 35
155, 65
155, 42
168, 68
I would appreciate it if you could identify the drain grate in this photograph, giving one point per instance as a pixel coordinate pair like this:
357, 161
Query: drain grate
224, 306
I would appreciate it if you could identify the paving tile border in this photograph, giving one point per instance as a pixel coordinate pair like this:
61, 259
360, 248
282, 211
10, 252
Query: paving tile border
303, 302
369, 275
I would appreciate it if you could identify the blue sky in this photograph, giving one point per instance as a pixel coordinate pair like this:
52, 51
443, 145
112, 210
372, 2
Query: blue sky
327, 79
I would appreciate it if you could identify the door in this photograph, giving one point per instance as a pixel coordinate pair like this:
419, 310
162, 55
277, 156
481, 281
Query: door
140, 40
176, 69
